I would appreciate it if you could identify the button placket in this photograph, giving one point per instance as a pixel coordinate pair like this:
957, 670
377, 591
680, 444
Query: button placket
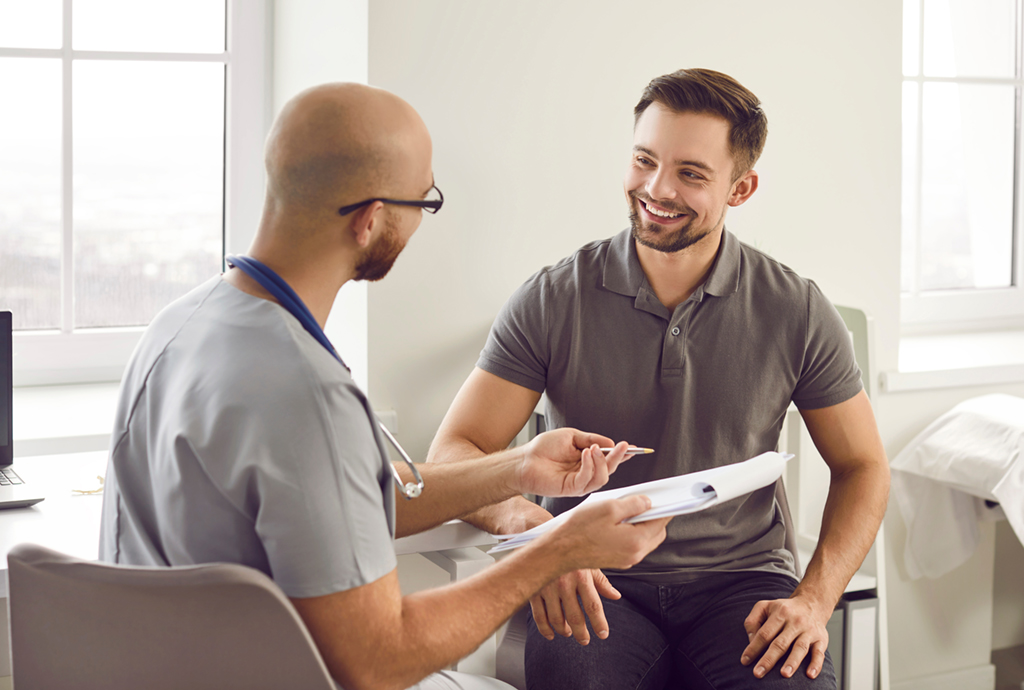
674, 343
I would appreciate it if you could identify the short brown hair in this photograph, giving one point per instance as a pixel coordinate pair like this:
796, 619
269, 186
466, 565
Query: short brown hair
707, 91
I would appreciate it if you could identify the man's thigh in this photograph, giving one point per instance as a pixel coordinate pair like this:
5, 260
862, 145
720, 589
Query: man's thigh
635, 655
707, 652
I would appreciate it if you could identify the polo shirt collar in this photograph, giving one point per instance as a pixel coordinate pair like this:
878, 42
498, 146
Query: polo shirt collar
724, 278
622, 271
624, 275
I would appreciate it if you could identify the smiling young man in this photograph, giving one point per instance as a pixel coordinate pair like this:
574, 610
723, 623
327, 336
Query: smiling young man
712, 340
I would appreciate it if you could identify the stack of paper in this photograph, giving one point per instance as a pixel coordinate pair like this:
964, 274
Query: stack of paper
680, 495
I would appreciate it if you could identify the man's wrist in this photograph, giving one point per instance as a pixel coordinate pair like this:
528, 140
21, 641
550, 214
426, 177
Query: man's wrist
509, 471
819, 598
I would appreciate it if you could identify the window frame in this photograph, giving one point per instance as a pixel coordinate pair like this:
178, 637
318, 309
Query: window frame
934, 311
95, 355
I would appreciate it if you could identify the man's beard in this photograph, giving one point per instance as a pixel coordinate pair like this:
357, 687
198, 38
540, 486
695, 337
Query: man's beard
380, 256
660, 239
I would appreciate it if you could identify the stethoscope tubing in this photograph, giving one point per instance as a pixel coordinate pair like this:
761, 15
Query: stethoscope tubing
293, 304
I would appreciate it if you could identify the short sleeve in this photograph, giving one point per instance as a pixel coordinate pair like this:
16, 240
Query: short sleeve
323, 514
518, 346
829, 373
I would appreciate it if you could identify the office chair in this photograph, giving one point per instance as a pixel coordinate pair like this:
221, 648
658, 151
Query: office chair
77, 624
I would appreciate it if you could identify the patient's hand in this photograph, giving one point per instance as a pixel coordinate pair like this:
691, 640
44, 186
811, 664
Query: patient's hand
795, 625
556, 608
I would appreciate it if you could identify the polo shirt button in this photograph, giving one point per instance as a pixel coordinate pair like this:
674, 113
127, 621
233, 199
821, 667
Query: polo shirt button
675, 330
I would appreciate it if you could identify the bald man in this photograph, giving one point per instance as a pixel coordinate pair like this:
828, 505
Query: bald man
240, 437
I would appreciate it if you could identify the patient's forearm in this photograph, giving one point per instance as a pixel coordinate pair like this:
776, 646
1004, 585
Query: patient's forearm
853, 512
511, 516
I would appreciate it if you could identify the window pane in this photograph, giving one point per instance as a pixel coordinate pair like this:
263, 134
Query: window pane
148, 189
967, 186
30, 192
170, 26
908, 222
969, 38
911, 37
30, 23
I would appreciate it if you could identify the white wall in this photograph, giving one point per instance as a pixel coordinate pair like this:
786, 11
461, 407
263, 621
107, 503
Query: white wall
318, 41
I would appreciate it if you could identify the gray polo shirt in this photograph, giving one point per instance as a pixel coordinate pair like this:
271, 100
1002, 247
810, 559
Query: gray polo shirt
705, 385
239, 438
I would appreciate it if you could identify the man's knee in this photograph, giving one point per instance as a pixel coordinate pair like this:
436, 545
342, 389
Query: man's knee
727, 672
640, 660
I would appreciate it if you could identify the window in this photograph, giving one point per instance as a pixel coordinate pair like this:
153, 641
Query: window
128, 144
961, 230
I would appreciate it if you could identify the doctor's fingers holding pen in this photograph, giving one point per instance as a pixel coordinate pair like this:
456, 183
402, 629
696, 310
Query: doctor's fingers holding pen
567, 462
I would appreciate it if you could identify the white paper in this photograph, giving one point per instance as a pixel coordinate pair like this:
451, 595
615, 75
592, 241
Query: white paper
687, 493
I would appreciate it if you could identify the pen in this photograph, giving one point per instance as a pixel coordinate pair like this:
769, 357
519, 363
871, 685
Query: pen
632, 450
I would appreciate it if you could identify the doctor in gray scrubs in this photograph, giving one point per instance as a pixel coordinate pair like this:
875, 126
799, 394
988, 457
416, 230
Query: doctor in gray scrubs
241, 437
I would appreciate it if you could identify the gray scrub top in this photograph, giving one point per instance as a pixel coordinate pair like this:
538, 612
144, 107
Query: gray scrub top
240, 439
705, 385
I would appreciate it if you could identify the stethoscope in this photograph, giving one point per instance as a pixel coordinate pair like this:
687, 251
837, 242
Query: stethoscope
283, 293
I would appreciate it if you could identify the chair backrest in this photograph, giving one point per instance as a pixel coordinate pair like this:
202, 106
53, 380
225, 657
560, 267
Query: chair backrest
787, 520
861, 327
77, 624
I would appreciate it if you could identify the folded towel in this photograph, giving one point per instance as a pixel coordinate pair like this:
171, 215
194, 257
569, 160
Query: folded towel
942, 480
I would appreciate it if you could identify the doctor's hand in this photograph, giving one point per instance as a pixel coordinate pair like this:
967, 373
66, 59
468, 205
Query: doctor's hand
567, 462
595, 536
795, 626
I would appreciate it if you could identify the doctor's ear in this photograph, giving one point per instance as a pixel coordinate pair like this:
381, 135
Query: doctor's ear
366, 222
743, 188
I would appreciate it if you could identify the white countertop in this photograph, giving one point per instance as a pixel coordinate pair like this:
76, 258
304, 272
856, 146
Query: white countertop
64, 521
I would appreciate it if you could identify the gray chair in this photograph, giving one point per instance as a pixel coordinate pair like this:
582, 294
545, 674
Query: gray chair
83, 625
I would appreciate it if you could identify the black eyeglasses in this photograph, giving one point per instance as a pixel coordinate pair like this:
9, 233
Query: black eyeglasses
432, 206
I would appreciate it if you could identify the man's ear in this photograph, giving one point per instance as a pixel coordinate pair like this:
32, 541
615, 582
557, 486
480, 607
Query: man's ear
743, 188
366, 222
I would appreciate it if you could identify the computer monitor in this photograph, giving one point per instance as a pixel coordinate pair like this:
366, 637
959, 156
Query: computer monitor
6, 390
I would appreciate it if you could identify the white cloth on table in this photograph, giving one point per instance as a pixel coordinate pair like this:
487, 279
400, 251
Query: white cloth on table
972, 454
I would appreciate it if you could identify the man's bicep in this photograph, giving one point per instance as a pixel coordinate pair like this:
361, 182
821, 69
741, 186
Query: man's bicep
846, 434
487, 412
351, 628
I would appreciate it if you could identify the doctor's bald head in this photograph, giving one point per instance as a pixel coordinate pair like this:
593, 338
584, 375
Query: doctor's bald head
336, 144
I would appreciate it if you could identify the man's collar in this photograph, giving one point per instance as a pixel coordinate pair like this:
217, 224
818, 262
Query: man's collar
624, 275
724, 278
622, 271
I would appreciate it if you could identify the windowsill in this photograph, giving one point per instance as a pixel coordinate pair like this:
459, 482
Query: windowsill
50, 420
956, 360
53, 420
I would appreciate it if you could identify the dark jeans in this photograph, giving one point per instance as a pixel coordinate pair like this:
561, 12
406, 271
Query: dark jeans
687, 636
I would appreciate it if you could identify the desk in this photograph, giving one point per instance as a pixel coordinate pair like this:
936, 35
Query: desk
65, 522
